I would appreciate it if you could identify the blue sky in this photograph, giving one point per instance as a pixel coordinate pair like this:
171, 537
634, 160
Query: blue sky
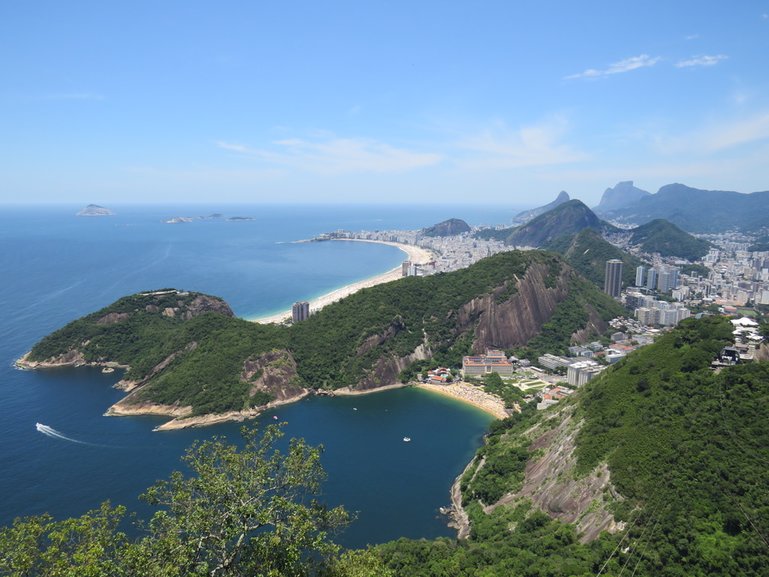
379, 101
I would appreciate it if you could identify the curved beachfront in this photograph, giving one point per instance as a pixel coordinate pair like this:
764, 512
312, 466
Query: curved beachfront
415, 254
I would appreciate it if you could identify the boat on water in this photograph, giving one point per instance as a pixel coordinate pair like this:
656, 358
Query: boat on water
406, 439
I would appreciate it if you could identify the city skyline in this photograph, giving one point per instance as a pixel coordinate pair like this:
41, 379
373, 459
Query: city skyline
348, 102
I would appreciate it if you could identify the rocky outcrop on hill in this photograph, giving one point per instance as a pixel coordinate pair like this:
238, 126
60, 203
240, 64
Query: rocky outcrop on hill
551, 484
512, 322
273, 373
622, 195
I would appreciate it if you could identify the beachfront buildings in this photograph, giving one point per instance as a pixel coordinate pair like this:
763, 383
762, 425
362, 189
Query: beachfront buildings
300, 311
492, 362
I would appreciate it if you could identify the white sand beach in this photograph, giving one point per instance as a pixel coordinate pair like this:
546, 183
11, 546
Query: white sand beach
470, 394
413, 253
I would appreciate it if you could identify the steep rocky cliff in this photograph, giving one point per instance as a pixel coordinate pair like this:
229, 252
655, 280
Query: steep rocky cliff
513, 321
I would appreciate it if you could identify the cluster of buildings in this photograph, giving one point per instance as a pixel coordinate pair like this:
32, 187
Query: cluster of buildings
746, 340
650, 311
550, 396
662, 278
451, 252
737, 276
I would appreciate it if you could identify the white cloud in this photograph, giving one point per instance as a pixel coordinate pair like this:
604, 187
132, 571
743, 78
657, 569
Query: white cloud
626, 65
333, 155
529, 146
718, 137
692, 37
705, 60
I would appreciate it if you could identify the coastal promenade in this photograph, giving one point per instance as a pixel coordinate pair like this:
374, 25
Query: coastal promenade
415, 254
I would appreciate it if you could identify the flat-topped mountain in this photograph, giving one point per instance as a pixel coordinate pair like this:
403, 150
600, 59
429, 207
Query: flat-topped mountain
527, 215
450, 227
95, 210
189, 357
623, 194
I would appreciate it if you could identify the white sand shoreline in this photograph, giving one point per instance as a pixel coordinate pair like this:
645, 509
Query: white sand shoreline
415, 254
470, 394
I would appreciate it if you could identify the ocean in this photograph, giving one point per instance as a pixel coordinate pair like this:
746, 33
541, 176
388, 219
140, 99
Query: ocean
57, 267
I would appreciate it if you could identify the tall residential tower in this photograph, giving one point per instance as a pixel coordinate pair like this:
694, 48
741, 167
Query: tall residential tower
612, 284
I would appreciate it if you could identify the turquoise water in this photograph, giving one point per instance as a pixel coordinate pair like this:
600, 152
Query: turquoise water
57, 267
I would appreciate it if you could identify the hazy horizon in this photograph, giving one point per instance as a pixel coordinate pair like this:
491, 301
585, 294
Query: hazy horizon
345, 102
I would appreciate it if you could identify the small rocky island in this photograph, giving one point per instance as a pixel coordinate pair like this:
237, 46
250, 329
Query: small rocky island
95, 210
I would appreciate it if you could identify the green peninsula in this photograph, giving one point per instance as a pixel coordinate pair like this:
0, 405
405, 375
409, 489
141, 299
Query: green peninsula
187, 356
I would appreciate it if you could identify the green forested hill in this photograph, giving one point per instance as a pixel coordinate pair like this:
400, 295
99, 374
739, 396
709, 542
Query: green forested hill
687, 452
187, 349
588, 252
566, 219
667, 239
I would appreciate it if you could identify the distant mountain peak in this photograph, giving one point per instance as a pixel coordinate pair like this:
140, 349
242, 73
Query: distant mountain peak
622, 195
528, 215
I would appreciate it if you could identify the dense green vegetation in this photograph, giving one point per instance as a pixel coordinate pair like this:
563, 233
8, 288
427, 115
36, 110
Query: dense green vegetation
588, 252
667, 239
240, 512
556, 334
687, 450
192, 351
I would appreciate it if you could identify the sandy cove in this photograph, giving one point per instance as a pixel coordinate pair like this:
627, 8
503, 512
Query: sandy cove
471, 395
415, 254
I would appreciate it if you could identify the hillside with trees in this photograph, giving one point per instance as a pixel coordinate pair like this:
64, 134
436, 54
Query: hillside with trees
187, 351
566, 219
588, 252
657, 468
667, 239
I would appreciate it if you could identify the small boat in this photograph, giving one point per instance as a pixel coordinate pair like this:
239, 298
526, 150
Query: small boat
108, 370
275, 417
406, 439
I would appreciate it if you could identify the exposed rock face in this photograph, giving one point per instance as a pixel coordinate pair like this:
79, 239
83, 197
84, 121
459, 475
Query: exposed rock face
387, 368
551, 485
112, 318
274, 373
450, 227
514, 321
197, 306
622, 195
127, 385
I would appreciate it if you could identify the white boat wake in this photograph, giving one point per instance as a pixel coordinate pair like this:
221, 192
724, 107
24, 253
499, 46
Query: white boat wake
54, 434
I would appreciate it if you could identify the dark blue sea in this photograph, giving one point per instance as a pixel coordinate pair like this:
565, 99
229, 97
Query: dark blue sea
57, 267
